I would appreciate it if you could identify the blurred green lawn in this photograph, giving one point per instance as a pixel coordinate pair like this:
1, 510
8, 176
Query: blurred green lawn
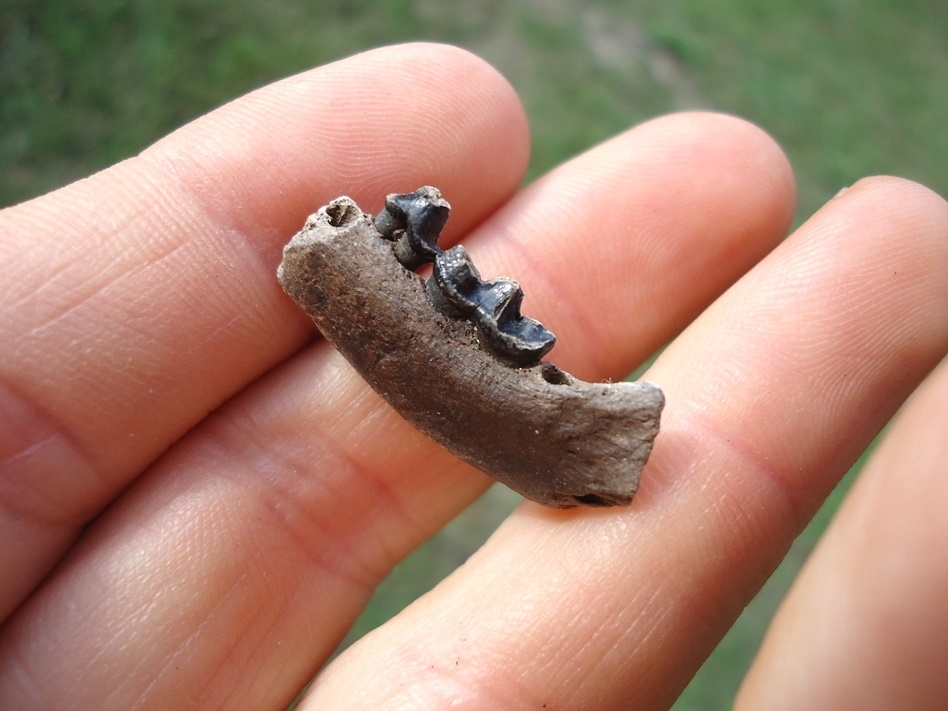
848, 88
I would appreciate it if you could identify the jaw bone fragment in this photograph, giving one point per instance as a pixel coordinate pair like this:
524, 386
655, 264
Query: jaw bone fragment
457, 359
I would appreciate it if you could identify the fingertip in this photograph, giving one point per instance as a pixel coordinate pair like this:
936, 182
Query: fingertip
908, 223
631, 240
385, 120
731, 146
916, 205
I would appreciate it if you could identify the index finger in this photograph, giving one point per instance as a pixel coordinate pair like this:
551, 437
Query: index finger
140, 299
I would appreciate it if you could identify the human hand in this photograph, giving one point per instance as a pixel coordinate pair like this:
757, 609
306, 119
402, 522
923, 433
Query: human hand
253, 491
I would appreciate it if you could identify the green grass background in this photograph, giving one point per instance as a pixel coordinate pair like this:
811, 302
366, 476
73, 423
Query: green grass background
848, 88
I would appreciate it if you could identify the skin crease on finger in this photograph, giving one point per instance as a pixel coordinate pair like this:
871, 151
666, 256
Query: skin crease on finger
866, 625
231, 571
771, 394
140, 299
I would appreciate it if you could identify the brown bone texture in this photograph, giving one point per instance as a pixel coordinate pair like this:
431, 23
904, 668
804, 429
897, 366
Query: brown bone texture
545, 434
